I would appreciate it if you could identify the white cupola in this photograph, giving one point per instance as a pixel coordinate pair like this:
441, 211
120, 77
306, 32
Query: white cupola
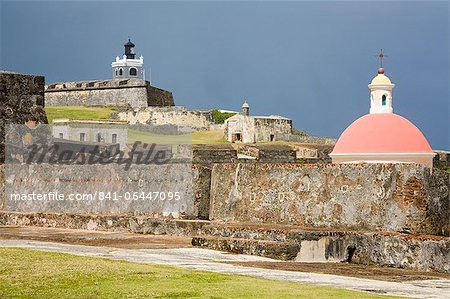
381, 93
245, 109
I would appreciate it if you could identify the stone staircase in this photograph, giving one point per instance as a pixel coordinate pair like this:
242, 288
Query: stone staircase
280, 242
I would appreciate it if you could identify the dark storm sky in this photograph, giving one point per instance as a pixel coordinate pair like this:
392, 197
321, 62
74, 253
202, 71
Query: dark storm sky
310, 61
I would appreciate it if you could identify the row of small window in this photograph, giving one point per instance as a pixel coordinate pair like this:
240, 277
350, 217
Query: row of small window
99, 137
132, 72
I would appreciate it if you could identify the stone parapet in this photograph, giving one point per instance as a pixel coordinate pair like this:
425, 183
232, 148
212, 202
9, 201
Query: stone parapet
119, 93
379, 197
307, 139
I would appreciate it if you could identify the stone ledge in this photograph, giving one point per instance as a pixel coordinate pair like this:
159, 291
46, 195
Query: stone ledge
270, 249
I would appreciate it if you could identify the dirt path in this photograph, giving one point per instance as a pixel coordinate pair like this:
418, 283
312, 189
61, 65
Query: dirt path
94, 238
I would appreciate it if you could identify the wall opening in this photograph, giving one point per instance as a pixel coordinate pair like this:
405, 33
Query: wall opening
350, 252
120, 72
82, 137
383, 100
114, 138
272, 137
236, 137
133, 71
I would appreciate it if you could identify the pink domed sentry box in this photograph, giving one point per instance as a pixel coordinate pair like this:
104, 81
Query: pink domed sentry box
382, 136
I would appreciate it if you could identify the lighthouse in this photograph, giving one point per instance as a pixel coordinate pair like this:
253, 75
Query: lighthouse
128, 67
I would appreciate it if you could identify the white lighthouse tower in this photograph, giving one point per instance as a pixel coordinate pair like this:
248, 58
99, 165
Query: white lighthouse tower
128, 67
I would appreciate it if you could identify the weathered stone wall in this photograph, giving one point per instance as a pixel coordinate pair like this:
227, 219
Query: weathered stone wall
268, 153
2, 187
423, 253
307, 139
201, 189
386, 197
55, 178
158, 97
98, 179
313, 153
256, 128
21, 100
268, 128
214, 153
410, 252
177, 116
240, 125
123, 93
442, 160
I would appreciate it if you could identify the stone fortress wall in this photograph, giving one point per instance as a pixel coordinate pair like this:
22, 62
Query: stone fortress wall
198, 120
121, 93
268, 128
383, 197
251, 129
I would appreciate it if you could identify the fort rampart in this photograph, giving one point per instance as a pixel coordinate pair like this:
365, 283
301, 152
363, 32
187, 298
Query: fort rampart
120, 93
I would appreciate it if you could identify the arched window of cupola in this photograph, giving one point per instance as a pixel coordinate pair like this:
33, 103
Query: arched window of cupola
133, 71
383, 100
120, 72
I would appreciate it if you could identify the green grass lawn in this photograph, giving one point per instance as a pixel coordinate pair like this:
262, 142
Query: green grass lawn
146, 137
202, 137
209, 137
78, 112
34, 274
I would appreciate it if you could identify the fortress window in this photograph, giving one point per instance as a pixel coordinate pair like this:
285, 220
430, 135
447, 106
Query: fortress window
383, 100
114, 138
120, 72
61, 135
82, 137
133, 71
116, 72
99, 137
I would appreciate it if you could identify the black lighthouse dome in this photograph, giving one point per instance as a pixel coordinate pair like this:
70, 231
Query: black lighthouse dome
129, 50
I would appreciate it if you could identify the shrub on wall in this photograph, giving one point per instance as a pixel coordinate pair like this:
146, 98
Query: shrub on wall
298, 132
